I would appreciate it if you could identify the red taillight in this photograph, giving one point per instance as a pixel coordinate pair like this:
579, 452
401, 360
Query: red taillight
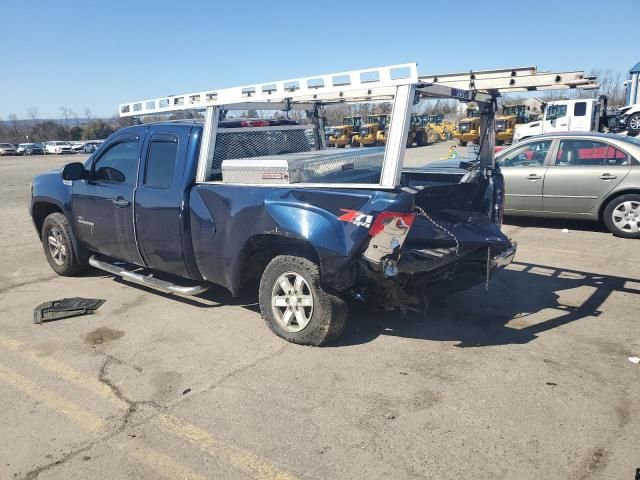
403, 221
255, 123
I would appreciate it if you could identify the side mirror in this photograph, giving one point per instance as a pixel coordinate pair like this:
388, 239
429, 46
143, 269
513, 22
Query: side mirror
73, 171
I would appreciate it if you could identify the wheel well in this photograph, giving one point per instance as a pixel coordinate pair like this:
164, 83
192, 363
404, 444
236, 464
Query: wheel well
616, 195
42, 210
261, 249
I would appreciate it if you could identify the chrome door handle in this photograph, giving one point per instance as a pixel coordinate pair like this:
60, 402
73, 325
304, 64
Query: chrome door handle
607, 176
533, 176
120, 202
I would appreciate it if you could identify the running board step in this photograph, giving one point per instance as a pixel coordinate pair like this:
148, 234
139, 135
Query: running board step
147, 280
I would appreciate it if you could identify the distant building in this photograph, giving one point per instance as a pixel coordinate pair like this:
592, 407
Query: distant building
534, 104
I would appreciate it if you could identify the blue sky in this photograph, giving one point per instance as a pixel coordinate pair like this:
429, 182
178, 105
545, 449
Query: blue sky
99, 54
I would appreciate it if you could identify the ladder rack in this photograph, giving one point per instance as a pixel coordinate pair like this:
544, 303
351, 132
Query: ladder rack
521, 79
298, 93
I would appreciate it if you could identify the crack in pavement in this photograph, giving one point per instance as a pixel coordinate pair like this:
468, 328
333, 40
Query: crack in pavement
132, 408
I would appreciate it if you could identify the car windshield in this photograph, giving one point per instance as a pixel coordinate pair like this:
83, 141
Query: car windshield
6, 145
66, 144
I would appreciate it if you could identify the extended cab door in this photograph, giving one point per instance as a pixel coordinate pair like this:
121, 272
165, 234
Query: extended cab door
524, 169
102, 206
161, 201
583, 171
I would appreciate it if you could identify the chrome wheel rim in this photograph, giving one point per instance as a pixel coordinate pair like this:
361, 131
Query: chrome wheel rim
57, 248
634, 123
626, 216
292, 302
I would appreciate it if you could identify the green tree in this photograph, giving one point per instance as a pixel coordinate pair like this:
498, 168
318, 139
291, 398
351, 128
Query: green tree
97, 130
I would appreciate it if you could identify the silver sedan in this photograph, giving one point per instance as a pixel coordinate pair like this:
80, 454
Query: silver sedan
593, 176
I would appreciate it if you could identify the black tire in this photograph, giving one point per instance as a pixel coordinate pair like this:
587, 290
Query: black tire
328, 314
620, 207
68, 263
421, 139
635, 121
461, 143
499, 143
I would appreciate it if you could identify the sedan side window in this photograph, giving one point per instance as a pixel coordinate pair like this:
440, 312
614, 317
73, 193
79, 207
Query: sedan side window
532, 154
584, 153
118, 164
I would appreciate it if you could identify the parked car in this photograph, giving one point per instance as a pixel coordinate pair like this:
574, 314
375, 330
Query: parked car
8, 149
58, 147
593, 176
91, 147
30, 149
77, 147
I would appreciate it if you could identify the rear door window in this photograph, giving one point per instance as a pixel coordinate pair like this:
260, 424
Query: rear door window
161, 160
580, 109
584, 153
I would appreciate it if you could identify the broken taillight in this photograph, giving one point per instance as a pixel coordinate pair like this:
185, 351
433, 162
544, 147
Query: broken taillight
402, 221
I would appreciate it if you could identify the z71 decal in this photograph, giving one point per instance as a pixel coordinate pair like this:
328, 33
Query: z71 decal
359, 219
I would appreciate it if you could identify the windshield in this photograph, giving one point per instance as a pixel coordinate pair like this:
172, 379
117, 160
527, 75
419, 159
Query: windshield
64, 144
6, 145
464, 126
501, 125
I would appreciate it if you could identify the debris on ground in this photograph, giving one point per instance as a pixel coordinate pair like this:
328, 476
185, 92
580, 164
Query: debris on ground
65, 308
565, 230
635, 360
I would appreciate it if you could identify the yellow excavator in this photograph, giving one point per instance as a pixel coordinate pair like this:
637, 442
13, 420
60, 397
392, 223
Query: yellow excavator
342, 135
506, 122
468, 128
373, 132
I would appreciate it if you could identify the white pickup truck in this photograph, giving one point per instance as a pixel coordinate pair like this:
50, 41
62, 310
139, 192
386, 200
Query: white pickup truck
583, 115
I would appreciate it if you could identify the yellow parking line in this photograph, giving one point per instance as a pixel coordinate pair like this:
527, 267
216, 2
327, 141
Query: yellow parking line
161, 463
248, 462
83, 418
63, 371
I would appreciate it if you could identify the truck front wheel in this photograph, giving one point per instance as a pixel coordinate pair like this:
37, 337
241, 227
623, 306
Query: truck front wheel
294, 304
58, 246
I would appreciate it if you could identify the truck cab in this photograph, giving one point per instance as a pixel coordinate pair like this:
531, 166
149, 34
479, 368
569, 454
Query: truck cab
581, 115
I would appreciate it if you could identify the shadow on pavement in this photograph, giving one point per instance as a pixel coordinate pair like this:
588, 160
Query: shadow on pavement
501, 316
472, 318
556, 224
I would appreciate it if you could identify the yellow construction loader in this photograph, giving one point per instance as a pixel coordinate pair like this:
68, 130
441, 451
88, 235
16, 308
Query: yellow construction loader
468, 128
511, 116
373, 132
342, 135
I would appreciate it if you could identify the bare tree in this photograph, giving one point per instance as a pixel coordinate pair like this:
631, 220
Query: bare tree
88, 116
13, 119
33, 114
66, 113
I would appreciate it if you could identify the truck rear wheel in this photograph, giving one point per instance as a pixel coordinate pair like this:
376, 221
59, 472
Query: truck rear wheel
633, 124
58, 246
462, 144
294, 304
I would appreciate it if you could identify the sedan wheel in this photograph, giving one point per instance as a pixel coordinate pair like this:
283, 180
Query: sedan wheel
622, 216
626, 216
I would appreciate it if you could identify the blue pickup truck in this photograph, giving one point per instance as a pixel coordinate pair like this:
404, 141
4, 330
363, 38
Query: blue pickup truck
134, 209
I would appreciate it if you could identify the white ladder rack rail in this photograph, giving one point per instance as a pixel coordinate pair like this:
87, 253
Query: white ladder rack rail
298, 93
